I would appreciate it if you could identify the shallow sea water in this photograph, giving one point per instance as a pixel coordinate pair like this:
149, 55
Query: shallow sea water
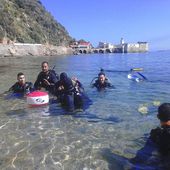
106, 135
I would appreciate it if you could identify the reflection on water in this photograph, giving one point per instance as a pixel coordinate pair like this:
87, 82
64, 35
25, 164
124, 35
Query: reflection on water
106, 135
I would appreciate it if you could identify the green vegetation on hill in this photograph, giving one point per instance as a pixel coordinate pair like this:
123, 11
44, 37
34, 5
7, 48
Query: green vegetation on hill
27, 21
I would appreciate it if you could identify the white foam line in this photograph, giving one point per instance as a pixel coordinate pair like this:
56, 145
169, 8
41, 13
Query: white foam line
15, 157
4, 124
45, 155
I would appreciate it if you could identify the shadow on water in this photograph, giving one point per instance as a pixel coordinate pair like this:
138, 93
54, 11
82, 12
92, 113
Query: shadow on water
96, 119
114, 161
147, 158
12, 96
20, 113
53, 111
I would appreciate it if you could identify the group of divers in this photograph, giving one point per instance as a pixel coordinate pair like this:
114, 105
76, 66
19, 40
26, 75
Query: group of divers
69, 91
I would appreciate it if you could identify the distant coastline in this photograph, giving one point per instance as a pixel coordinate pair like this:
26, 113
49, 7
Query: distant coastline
25, 49
82, 47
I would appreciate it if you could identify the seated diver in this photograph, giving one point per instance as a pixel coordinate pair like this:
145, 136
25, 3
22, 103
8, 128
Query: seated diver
21, 86
46, 78
102, 81
69, 95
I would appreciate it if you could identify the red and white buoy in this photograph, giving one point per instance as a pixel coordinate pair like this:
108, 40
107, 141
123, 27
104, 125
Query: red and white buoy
37, 98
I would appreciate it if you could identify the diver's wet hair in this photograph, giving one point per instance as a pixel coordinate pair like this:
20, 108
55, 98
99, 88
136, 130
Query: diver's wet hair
44, 62
20, 74
164, 112
101, 73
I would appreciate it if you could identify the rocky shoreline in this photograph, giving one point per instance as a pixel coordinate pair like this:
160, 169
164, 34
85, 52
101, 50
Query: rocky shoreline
19, 49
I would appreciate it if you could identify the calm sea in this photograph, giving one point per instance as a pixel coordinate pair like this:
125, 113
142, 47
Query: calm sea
107, 135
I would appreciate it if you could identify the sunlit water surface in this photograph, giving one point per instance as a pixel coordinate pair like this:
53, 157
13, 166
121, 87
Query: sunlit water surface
105, 136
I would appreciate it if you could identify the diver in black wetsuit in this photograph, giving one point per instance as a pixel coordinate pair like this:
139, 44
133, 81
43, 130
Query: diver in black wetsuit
68, 94
161, 135
46, 79
79, 94
21, 87
156, 152
102, 82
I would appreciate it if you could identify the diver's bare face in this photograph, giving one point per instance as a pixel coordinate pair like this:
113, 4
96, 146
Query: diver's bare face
102, 79
21, 79
45, 67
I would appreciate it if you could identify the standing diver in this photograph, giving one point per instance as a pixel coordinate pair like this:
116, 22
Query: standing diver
46, 79
102, 81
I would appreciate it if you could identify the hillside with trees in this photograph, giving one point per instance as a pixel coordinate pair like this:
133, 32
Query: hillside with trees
27, 21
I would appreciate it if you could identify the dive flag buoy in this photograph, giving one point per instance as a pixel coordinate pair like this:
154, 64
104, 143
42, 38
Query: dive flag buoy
37, 98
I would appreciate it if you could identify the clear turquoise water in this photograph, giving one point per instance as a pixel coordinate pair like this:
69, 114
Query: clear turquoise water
107, 135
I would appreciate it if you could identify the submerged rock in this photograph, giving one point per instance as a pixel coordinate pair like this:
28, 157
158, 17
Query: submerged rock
156, 103
143, 109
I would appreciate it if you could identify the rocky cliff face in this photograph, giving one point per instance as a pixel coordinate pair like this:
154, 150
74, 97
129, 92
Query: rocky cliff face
27, 21
24, 50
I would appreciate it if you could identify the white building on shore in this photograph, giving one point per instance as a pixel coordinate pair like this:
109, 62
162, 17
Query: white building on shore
136, 47
105, 45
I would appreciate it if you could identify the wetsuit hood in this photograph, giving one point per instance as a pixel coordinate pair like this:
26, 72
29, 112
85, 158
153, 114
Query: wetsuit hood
63, 76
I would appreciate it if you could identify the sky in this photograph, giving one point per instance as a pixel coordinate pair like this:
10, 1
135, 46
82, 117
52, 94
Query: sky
110, 20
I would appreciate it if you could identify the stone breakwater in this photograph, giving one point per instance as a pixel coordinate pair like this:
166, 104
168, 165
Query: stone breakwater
18, 49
